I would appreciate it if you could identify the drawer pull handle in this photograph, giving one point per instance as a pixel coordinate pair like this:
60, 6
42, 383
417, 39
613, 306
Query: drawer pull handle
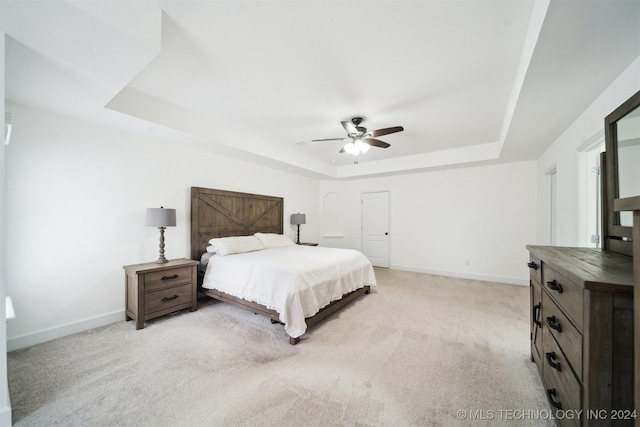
554, 365
551, 393
553, 285
553, 324
536, 314
175, 276
532, 265
165, 299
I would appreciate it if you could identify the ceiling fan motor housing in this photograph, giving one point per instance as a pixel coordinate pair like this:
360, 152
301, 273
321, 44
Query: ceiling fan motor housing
361, 129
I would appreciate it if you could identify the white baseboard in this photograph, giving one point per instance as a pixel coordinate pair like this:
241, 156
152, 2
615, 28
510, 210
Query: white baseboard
462, 275
45, 335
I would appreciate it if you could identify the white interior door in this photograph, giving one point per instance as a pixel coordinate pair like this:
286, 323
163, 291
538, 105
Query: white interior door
375, 227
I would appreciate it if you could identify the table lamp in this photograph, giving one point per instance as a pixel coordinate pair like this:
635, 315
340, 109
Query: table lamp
297, 219
161, 218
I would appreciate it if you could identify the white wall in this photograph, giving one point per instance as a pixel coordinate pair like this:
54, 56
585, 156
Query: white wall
564, 155
470, 222
76, 199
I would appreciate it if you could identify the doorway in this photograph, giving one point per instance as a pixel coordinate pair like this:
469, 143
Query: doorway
592, 200
590, 192
552, 181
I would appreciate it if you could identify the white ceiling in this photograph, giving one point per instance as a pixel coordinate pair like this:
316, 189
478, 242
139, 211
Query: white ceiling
470, 81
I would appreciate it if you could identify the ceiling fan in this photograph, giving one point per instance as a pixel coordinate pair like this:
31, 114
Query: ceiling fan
360, 139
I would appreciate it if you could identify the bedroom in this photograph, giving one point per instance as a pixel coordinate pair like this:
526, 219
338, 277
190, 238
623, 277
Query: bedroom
88, 184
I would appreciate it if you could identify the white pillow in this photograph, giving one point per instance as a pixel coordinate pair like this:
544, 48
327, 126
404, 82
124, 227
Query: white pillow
272, 240
234, 245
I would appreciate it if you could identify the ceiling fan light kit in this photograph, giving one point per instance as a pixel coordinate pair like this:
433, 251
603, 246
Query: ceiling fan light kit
356, 147
361, 140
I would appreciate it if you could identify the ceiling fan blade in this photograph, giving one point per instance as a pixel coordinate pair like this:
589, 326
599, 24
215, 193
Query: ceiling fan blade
386, 131
376, 143
349, 127
330, 139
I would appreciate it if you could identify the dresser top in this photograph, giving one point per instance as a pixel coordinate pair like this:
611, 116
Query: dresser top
594, 268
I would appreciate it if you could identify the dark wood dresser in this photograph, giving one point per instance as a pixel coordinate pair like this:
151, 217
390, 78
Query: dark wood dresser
582, 333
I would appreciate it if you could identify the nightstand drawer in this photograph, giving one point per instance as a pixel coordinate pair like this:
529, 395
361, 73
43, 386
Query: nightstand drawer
167, 299
161, 279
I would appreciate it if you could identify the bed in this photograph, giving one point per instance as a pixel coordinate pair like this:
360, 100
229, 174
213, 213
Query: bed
334, 277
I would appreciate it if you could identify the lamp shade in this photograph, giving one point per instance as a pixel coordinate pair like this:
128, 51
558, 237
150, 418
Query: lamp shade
161, 217
297, 219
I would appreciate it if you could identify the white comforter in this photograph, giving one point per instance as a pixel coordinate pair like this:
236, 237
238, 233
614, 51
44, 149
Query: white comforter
296, 281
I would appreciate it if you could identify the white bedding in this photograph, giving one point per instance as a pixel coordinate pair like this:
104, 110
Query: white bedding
296, 281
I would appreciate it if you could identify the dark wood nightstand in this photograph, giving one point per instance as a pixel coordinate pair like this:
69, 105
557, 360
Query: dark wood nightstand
307, 244
153, 290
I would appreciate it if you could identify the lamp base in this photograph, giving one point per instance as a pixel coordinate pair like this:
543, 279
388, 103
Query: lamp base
161, 258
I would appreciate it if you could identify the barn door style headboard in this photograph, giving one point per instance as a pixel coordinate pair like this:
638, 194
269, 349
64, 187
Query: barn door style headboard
219, 213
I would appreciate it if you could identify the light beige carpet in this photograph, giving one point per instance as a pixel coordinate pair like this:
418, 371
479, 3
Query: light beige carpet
422, 351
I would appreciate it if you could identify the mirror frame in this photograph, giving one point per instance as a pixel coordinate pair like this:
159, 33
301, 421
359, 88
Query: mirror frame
616, 237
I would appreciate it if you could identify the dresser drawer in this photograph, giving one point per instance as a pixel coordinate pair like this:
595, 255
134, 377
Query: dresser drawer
555, 323
535, 268
166, 299
562, 388
161, 279
568, 294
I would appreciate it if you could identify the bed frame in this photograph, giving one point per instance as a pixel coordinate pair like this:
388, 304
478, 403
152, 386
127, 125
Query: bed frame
219, 213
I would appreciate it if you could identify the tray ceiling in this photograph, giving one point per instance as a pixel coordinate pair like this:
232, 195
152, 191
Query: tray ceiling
470, 81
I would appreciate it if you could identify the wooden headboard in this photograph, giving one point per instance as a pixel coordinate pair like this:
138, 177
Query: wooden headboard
219, 213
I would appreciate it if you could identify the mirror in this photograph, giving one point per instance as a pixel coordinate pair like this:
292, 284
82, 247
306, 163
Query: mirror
628, 139
621, 177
